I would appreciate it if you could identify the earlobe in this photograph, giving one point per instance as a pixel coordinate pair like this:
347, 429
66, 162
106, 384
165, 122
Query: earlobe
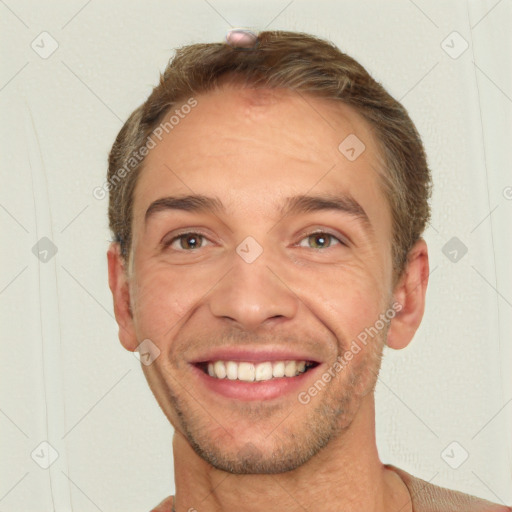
119, 286
410, 294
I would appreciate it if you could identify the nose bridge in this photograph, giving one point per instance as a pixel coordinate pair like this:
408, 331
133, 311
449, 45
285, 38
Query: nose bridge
252, 292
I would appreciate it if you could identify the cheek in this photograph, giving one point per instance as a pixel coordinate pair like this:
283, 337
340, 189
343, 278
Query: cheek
347, 298
161, 300
357, 313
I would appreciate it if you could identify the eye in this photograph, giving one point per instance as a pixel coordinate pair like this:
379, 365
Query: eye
320, 240
186, 241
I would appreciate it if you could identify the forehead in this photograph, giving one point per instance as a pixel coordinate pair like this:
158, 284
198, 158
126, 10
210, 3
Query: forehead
253, 146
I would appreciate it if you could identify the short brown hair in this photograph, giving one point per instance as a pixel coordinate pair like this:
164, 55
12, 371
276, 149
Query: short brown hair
302, 63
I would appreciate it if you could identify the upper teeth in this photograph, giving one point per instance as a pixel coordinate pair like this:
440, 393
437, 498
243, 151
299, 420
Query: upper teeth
250, 372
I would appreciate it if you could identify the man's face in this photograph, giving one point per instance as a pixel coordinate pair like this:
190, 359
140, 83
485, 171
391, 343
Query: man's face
213, 296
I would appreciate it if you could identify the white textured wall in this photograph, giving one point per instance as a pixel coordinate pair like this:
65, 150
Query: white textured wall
65, 378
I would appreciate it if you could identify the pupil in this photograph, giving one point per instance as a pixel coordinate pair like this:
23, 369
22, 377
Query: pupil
188, 243
319, 240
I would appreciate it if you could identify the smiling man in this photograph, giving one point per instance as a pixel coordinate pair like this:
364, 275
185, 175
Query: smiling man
267, 203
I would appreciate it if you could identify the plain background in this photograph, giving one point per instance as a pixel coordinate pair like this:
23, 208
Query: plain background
64, 376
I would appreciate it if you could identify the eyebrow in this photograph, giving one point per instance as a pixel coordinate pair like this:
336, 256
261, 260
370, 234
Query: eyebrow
336, 202
197, 203
191, 203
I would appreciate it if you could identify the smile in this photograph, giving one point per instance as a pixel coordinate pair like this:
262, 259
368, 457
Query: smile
255, 372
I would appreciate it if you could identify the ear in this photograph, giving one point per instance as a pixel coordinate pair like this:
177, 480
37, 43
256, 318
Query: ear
410, 293
119, 286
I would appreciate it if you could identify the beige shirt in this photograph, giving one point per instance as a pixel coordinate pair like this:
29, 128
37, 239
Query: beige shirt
425, 497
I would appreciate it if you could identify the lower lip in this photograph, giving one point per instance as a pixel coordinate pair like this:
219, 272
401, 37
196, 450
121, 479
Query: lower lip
257, 390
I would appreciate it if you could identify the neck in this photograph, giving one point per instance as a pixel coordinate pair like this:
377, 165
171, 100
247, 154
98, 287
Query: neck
346, 475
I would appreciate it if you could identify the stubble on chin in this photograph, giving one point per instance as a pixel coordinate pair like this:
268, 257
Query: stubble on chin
288, 436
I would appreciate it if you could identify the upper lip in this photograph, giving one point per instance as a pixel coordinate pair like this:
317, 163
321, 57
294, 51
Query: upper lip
253, 355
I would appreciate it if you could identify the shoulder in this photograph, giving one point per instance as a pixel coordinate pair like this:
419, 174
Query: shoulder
427, 497
164, 506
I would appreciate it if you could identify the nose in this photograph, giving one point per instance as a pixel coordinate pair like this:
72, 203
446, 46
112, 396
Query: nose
253, 295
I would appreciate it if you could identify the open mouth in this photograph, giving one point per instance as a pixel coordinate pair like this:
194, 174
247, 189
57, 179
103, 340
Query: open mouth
246, 371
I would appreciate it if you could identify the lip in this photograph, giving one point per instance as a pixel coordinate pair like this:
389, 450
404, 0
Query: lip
258, 390
253, 356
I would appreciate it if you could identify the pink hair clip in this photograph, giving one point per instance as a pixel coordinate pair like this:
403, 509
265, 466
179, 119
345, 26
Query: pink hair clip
241, 38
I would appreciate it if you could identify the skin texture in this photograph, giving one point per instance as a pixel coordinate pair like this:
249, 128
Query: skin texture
251, 149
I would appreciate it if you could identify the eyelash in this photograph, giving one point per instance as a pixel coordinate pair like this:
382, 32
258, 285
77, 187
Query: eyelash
307, 235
